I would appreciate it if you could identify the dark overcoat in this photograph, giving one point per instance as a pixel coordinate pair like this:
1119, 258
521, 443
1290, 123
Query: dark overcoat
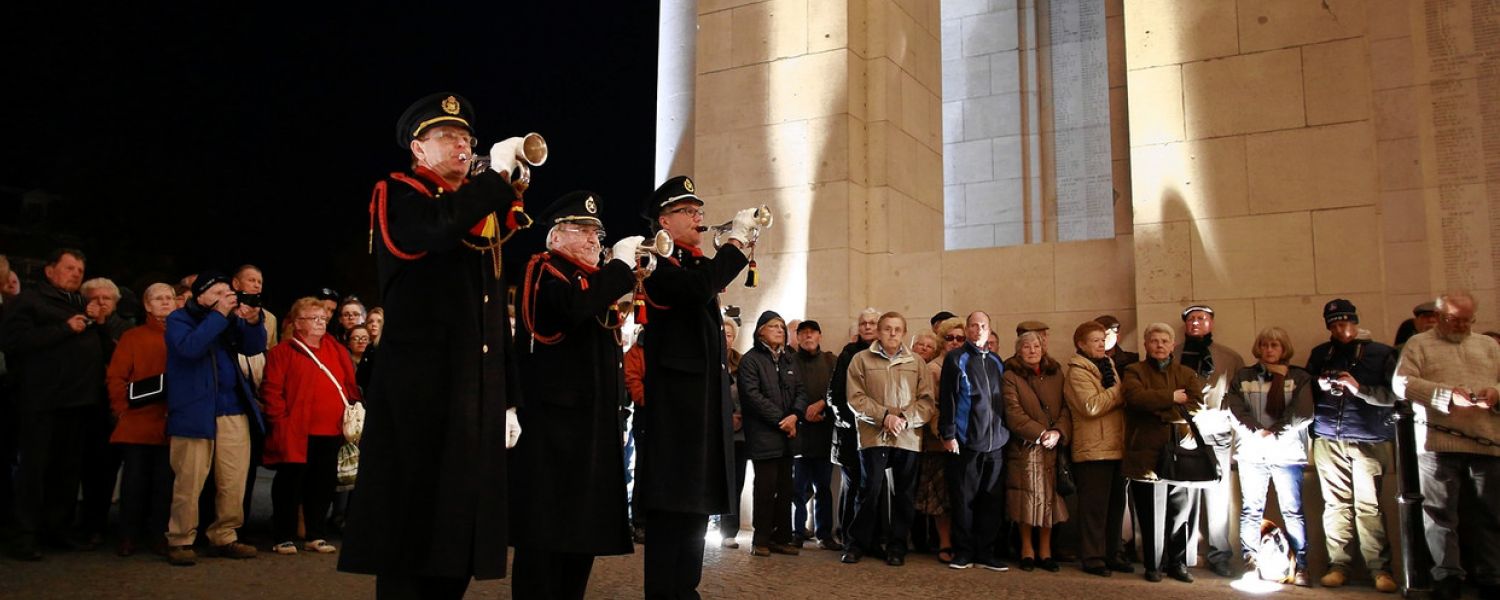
431, 497
770, 390
54, 367
567, 475
685, 436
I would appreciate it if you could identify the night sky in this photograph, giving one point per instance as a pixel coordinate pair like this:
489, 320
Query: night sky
179, 139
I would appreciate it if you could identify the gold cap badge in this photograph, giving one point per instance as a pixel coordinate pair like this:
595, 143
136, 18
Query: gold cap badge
589, 205
687, 184
450, 105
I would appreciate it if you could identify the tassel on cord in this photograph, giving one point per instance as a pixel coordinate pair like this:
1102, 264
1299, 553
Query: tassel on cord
752, 277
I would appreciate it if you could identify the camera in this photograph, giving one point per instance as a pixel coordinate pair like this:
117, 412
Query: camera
248, 299
1332, 376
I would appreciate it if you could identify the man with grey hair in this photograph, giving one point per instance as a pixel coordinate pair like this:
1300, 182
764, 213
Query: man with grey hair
845, 451
101, 459
59, 349
1452, 379
1215, 365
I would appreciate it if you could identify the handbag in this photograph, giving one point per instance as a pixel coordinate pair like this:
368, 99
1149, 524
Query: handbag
1187, 467
1065, 484
146, 391
348, 465
353, 425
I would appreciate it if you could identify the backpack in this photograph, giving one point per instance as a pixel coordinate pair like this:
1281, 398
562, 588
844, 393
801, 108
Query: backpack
1274, 558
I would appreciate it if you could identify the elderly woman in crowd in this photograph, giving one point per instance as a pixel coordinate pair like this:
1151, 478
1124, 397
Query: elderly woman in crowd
925, 345
932, 486
1097, 408
141, 427
1160, 395
773, 402
1037, 417
309, 380
1272, 405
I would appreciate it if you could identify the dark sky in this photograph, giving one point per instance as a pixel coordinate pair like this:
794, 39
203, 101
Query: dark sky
217, 134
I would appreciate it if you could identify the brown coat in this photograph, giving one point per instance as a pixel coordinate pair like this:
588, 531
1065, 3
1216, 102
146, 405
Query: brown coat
1151, 418
1033, 400
1098, 413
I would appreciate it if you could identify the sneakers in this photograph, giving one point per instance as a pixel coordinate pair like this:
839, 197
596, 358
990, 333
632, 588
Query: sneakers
182, 556
285, 548
1384, 582
960, 561
320, 547
993, 564
234, 550
1335, 578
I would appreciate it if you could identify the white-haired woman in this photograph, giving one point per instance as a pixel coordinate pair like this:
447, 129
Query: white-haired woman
141, 428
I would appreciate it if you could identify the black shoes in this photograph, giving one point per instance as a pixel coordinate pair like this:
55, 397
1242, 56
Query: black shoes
830, 544
1153, 576
1028, 564
792, 549
1098, 570
1119, 566
894, 559
1221, 569
1049, 565
1180, 573
852, 554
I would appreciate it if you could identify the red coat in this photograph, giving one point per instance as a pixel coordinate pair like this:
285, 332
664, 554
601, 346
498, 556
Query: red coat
141, 353
301, 400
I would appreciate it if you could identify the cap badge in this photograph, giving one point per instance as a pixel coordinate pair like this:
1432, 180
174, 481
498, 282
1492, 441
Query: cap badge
687, 184
450, 105
589, 205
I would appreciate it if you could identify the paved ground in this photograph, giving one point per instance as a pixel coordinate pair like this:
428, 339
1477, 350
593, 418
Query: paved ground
727, 574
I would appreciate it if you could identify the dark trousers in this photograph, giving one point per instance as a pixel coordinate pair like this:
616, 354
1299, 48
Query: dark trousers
537, 573
847, 448
410, 587
977, 493
773, 501
811, 477
1444, 478
49, 454
308, 486
7, 459
1101, 510
101, 470
729, 525
674, 554
1163, 511
145, 493
903, 495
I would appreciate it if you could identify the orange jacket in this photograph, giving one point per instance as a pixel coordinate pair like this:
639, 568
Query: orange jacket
141, 353
635, 374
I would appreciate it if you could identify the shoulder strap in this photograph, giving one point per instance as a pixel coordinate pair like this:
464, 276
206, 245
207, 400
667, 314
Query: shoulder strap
314, 357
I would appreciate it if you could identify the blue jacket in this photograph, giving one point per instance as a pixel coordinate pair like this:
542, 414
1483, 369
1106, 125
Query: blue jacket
198, 341
1367, 417
970, 406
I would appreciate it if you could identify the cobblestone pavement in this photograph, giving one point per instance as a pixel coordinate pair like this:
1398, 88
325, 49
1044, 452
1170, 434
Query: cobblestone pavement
727, 574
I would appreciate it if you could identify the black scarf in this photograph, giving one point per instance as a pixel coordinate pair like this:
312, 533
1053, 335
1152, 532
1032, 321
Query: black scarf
1196, 355
1106, 369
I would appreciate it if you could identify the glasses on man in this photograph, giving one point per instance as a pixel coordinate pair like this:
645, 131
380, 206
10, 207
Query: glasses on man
454, 137
953, 338
594, 231
314, 319
691, 211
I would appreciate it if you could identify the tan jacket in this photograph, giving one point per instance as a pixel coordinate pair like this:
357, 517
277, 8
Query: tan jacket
899, 385
1098, 413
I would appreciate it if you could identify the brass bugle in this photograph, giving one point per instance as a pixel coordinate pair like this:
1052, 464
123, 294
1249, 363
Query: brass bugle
522, 152
762, 221
661, 245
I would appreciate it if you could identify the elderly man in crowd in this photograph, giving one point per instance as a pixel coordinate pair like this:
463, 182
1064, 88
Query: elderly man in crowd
1215, 364
845, 450
811, 470
1452, 379
971, 418
58, 346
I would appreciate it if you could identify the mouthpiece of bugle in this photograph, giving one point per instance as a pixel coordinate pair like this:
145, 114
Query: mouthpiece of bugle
702, 229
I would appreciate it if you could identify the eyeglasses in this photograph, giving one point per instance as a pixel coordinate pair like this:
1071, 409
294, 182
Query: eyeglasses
314, 319
359, 338
454, 136
691, 211
954, 338
596, 232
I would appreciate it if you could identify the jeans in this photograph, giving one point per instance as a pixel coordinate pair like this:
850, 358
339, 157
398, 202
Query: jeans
1254, 479
810, 480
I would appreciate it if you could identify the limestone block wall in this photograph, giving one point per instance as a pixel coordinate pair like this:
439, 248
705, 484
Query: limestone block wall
1255, 179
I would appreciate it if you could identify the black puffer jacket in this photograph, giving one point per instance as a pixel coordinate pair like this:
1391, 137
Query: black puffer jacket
769, 392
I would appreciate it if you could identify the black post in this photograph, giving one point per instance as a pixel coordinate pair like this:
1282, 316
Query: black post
1416, 561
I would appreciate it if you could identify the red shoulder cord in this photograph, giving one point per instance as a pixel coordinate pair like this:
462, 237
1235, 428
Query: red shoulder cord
530, 285
378, 213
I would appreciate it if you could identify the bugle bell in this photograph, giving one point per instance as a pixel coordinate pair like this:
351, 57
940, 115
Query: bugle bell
515, 153
661, 245
762, 221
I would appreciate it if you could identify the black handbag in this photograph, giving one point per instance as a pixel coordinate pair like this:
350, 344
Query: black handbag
1065, 484
1188, 467
146, 391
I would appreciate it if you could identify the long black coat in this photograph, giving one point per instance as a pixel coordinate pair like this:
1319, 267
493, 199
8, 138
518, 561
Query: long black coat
567, 476
770, 390
432, 480
685, 437
54, 367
